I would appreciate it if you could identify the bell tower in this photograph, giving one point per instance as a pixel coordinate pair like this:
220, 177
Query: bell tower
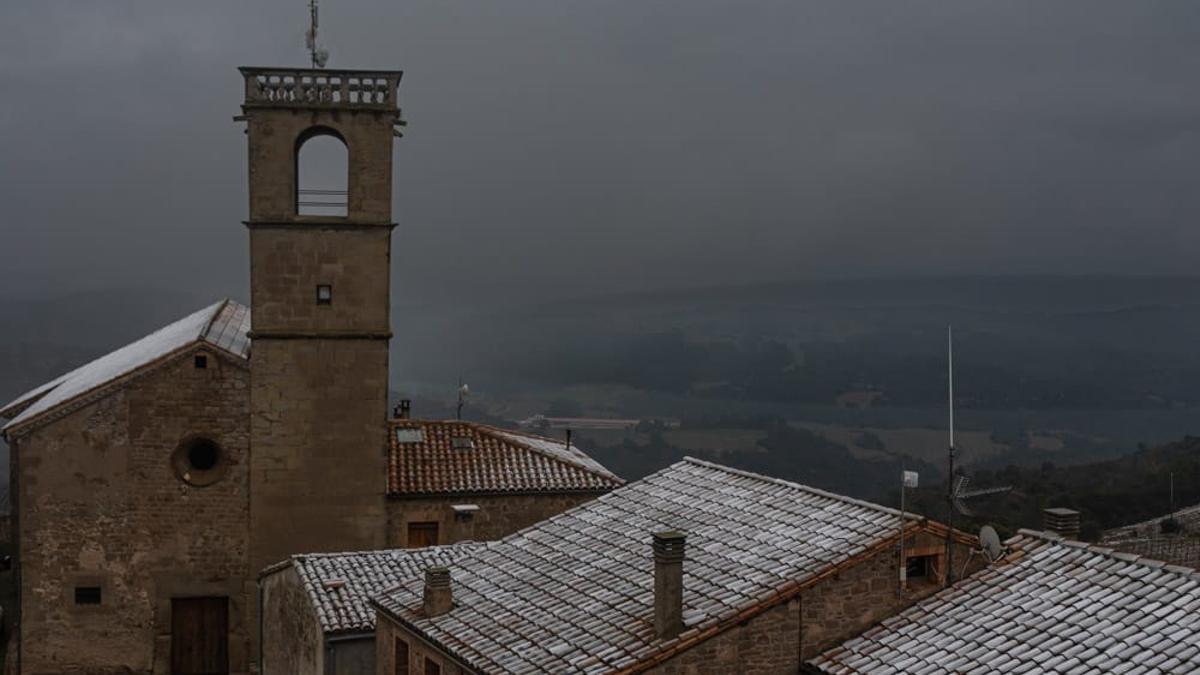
320, 305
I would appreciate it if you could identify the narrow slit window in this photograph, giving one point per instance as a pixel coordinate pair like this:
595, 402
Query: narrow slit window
201, 362
87, 595
324, 294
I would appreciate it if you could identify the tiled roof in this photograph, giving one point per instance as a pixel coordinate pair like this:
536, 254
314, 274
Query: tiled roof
575, 592
224, 325
1188, 520
453, 457
340, 584
1176, 549
1053, 606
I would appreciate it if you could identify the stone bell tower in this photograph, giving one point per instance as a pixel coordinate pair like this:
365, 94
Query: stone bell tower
320, 329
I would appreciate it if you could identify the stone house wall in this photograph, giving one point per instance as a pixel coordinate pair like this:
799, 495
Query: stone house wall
292, 640
388, 633
497, 517
101, 503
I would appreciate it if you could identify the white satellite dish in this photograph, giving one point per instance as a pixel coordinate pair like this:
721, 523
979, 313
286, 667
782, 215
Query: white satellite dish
989, 541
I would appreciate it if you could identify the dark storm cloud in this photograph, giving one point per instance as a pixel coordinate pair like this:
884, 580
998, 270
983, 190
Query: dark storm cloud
571, 147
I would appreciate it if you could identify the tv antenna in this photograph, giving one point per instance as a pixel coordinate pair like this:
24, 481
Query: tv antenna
961, 494
318, 54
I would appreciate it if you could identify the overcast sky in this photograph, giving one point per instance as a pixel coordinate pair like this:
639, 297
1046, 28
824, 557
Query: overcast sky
562, 147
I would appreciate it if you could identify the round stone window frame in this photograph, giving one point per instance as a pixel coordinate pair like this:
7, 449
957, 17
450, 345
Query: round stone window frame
181, 460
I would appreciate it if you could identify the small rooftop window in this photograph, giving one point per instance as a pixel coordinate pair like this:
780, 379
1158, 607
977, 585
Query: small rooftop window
462, 443
409, 435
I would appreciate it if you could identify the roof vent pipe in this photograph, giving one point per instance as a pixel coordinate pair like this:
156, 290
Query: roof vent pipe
437, 600
668, 583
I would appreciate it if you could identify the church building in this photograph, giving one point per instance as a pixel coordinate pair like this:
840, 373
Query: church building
151, 486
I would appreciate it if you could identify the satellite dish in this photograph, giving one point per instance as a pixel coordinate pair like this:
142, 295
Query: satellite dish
989, 541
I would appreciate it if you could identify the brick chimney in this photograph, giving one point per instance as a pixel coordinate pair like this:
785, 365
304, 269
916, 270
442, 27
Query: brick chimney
438, 600
668, 583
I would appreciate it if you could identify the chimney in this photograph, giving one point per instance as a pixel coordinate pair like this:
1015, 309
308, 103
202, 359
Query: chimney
1063, 522
668, 583
438, 600
568, 439
404, 410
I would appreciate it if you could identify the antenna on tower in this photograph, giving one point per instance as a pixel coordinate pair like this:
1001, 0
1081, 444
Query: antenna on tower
319, 55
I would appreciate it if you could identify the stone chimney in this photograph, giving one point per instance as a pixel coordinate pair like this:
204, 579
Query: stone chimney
438, 600
668, 583
1063, 522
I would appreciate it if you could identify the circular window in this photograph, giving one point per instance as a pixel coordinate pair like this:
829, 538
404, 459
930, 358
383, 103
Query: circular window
199, 461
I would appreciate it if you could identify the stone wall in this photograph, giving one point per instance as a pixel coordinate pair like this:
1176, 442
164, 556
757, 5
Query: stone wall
768, 643
101, 503
318, 470
498, 515
293, 643
388, 632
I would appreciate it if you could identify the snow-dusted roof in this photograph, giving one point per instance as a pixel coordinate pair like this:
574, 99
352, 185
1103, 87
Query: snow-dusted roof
455, 457
224, 325
339, 585
574, 593
1053, 606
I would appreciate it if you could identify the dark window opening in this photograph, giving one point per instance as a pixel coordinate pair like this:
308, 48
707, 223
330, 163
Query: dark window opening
87, 595
432, 667
400, 657
201, 361
422, 534
919, 567
203, 454
324, 294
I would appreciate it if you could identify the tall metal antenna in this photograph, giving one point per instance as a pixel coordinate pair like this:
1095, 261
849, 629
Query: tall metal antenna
319, 55
950, 473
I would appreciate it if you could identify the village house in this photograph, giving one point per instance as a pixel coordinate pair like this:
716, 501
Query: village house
1048, 605
316, 616
697, 568
151, 485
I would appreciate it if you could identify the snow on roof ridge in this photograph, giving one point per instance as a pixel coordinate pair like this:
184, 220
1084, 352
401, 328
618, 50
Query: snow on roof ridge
516, 437
1055, 539
115, 364
800, 486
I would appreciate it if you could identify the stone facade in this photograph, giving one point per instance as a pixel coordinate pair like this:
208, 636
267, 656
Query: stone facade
320, 368
392, 641
498, 515
100, 503
292, 638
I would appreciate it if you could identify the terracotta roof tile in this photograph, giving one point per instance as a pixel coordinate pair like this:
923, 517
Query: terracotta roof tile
340, 584
453, 457
575, 592
1055, 606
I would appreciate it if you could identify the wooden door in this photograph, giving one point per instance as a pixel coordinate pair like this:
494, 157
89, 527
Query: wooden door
421, 535
200, 636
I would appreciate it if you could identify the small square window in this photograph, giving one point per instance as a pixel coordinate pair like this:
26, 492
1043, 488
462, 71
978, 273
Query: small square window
324, 294
200, 361
87, 595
